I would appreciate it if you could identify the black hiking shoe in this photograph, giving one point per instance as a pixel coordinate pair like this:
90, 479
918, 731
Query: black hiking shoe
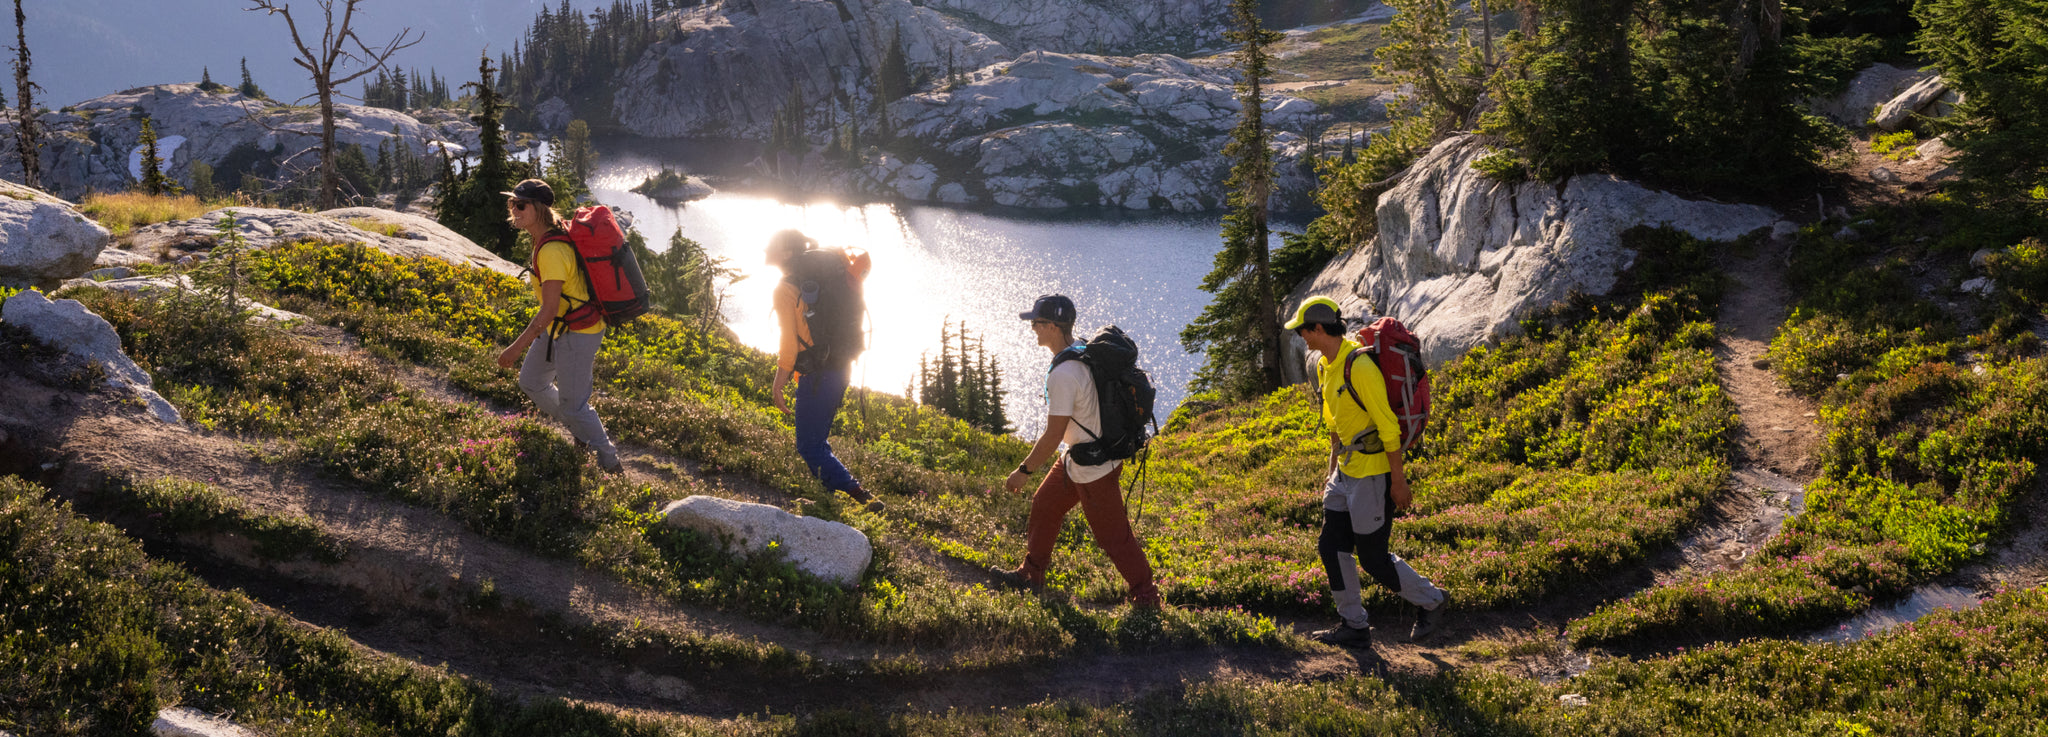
1345, 635
1016, 580
865, 498
1428, 620
610, 463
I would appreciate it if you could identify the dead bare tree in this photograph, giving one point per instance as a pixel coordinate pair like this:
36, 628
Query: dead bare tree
27, 137
325, 64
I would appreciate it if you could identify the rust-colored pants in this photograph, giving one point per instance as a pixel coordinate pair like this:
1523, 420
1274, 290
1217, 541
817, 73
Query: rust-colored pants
1102, 504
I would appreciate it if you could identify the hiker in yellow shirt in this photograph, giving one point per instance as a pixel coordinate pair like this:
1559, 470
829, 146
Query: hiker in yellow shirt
1366, 483
558, 371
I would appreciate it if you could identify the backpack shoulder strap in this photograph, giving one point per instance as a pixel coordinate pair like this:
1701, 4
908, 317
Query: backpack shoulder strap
1349, 359
1073, 353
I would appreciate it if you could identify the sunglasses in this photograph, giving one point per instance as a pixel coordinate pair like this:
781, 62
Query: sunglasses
519, 205
1038, 322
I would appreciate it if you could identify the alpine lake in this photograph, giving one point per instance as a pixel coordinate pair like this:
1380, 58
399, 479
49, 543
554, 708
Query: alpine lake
935, 264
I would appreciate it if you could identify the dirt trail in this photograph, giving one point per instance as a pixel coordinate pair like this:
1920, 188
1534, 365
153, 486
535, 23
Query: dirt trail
403, 587
1779, 431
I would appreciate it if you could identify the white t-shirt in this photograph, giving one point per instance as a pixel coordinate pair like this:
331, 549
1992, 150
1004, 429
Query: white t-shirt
1070, 391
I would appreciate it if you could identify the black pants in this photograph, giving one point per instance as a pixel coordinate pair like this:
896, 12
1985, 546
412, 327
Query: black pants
1370, 548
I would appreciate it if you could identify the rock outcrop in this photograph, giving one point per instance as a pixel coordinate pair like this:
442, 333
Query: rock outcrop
1056, 130
181, 283
830, 551
1461, 258
263, 228
92, 145
1872, 87
69, 325
43, 239
1092, 26
1920, 98
185, 721
1049, 128
731, 66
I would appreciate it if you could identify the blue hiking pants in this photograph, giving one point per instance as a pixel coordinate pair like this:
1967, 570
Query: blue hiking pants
818, 396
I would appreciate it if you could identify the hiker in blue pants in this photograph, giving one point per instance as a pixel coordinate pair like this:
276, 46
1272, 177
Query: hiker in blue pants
808, 293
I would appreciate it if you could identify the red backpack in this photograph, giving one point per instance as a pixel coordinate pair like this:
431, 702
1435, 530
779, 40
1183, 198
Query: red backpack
617, 291
1398, 354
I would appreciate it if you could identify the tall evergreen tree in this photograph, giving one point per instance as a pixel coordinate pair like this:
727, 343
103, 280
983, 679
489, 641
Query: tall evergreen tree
578, 152
249, 88
1995, 53
471, 204
962, 381
28, 135
1240, 328
153, 181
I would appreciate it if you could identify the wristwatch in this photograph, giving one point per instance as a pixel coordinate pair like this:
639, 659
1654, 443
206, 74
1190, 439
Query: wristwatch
1021, 468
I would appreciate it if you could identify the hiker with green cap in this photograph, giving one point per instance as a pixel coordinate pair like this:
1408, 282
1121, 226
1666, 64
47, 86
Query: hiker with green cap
1366, 484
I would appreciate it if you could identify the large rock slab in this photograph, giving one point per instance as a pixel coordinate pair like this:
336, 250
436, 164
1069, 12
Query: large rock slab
1899, 111
67, 324
1461, 257
1125, 26
730, 66
1872, 87
91, 146
43, 239
185, 721
1051, 130
139, 285
828, 550
263, 228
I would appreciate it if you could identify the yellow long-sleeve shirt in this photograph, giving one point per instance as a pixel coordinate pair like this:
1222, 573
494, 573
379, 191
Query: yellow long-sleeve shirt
1345, 418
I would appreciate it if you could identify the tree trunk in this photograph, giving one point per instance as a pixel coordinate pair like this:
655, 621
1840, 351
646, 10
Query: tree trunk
27, 138
330, 179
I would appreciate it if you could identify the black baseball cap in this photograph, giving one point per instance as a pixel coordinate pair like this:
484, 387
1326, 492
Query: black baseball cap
1054, 307
532, 189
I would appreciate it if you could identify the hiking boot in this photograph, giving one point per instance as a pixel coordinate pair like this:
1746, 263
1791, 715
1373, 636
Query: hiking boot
1427, 622
1345, 635
867, 499
1017, 579
610, 463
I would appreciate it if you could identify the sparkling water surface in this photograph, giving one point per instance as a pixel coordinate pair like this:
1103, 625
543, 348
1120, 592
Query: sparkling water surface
1139, 271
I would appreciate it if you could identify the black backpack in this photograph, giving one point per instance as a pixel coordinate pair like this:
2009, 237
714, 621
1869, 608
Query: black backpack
1122, 391
833, 305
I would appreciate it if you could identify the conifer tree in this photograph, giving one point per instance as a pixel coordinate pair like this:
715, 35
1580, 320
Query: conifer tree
153, 181
578, 152
962, 381
28, 136
249, 88
202, 181
1240, 329
470, 203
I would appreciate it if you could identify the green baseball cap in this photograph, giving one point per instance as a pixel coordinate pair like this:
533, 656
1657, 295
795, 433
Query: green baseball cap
1317, 310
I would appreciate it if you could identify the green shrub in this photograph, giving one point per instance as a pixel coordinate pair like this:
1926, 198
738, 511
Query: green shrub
1895, 146
2023, 269
1922, 461
192, 507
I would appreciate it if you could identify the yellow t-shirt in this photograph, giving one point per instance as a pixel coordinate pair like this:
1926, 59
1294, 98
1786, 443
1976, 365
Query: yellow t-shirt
1344, 416
558, 262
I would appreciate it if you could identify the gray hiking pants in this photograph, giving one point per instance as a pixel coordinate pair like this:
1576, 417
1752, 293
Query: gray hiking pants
561, 388
1357, 520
